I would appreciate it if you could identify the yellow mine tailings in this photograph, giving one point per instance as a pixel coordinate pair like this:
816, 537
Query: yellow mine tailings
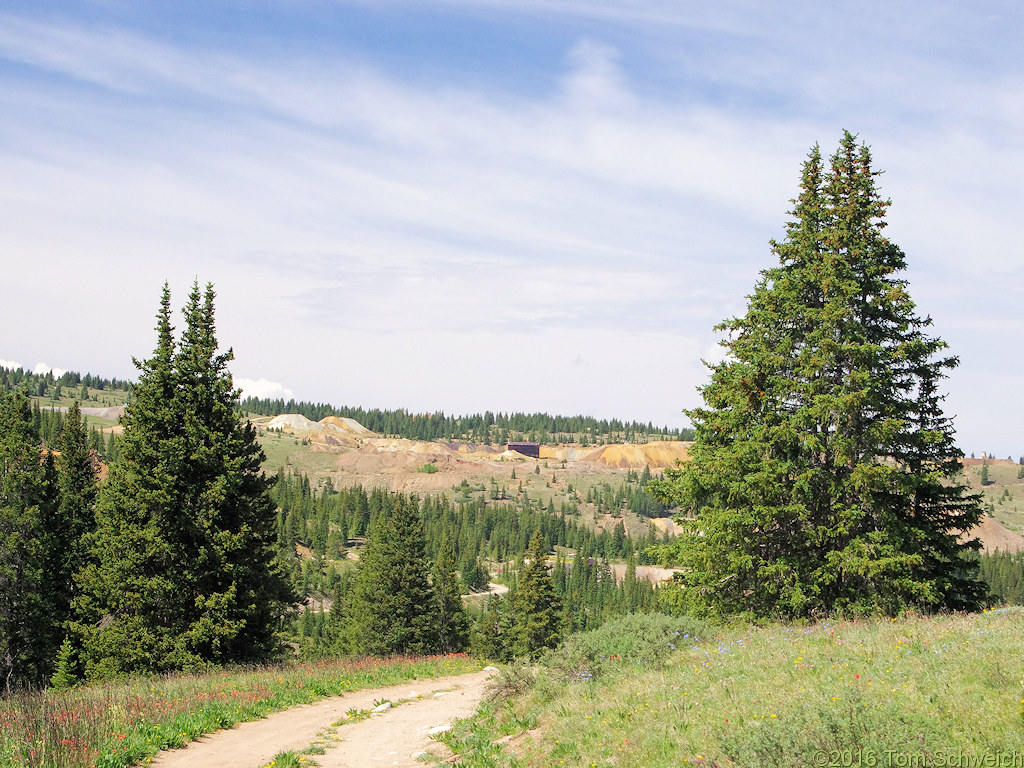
656, 455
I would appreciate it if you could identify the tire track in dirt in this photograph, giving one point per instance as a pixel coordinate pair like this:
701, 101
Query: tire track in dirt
391, 738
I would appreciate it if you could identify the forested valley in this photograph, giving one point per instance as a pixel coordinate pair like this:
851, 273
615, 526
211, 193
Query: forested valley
487, 541
480, 535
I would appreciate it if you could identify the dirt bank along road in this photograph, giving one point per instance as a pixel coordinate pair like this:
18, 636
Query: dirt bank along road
391, 738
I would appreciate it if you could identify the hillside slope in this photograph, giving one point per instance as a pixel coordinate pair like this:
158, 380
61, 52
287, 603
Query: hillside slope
933, 691
349, 453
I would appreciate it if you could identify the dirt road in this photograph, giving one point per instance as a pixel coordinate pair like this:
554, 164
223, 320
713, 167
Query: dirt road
391, 738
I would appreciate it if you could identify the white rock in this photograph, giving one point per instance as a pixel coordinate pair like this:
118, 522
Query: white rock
381, 708
294, 421
439, 729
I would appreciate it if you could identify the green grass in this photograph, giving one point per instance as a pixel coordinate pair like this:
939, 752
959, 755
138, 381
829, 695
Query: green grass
292, 760
118, 724
915, 691
287, 451
98, 398
1003, 497
98, 423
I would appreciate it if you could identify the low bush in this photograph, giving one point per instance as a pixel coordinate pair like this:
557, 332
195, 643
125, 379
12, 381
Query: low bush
511, 682
642, 639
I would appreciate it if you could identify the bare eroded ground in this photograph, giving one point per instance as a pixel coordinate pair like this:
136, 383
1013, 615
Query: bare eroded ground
391, 738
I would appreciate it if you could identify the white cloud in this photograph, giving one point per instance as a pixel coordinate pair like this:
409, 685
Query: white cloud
46, 368
9, 364
263, 388
596, 82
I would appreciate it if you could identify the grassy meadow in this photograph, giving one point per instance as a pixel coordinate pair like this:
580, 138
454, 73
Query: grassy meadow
97, 398
640, 692
118, 724
921, 691
285, 451
1003, 495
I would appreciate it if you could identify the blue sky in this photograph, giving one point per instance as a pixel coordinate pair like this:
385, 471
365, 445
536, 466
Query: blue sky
494, 204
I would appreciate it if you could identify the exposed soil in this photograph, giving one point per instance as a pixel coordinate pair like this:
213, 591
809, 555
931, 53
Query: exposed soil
653, 573
994, 537
392, 738
492, 589
363, 451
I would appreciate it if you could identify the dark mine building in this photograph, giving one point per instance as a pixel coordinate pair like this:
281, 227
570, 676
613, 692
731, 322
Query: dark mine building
527, 449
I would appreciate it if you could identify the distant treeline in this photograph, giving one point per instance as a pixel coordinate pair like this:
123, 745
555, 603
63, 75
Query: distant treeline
43, 384
488, 427
49, 424
1004, 574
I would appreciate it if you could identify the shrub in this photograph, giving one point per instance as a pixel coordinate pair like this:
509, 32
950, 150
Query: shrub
510, 683
635, 640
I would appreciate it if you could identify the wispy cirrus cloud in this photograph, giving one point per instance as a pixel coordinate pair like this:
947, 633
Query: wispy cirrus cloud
584, 171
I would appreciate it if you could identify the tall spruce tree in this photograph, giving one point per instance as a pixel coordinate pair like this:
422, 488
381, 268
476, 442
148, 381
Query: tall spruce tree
183, 569
535, 606
823, 479
24, 629
67, 522
452, 624
392, 605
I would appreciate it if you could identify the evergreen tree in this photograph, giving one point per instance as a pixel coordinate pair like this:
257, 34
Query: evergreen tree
391, 607
474, 573
493, 629
823, 477
452, 630
536, 607
182, 569
66, 524
65, 675
1004, 574
23, 628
